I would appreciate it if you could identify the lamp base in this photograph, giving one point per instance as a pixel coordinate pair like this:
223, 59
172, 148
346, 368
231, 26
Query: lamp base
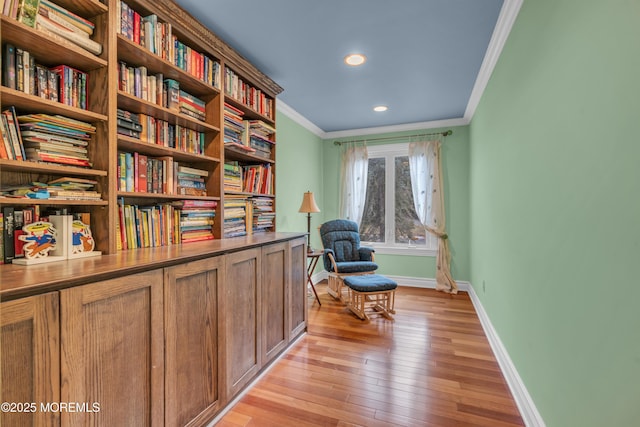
309, 249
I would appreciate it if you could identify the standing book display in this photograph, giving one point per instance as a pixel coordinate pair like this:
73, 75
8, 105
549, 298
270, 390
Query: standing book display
41, 243
59, 239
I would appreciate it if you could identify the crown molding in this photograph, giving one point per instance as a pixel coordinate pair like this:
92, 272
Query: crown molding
506, 19
282, 107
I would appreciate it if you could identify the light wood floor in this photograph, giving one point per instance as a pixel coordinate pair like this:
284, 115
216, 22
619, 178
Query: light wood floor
432, 366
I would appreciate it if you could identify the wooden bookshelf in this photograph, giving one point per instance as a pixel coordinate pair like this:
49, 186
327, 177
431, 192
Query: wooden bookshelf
105, 99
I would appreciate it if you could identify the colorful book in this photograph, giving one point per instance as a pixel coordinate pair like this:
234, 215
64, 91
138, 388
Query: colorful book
27, 12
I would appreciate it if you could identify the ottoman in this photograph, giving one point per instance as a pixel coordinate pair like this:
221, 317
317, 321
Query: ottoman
374, 289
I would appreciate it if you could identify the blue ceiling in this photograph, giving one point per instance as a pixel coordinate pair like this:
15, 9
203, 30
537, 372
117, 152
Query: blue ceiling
423, 55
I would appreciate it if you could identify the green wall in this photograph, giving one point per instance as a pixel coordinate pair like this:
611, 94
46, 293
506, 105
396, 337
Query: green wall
555, 207
298, 169
455, 159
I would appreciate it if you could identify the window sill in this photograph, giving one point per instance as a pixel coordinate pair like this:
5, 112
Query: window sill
409, 251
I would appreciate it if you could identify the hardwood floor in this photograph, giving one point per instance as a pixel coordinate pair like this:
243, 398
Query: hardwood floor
431, 366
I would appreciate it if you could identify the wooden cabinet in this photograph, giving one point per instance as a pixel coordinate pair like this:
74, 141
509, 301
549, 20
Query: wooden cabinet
113, 351
275, 288
152, 345
297, 305
242, 332
30, 359
192, 366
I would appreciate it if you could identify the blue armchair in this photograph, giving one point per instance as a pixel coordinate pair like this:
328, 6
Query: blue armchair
343, 254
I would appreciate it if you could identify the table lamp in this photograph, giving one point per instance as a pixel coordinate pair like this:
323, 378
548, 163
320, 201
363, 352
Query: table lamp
309, 206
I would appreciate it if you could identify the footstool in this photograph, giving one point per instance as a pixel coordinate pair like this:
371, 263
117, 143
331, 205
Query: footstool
375, 289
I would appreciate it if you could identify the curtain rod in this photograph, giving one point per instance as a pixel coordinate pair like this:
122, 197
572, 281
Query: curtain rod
390, 138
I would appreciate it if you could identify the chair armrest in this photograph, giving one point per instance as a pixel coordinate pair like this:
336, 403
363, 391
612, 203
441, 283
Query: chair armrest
366, 253
329, 260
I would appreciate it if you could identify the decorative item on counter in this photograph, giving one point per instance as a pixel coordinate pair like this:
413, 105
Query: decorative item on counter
41, 240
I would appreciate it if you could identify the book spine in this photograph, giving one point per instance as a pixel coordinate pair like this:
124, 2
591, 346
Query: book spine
8, 232
9, 66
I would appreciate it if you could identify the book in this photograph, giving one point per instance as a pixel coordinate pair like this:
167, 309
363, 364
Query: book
71, 17
14, 133
54, 16
8, 232
27, 12
1, 237
9, 66
6, 147
18, 223
48, 26
192, 171
70, 93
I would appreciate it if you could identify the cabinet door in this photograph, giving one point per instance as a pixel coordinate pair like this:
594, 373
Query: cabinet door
298, 287
191, 340
275, 287
30, 359
242, 302
112, 351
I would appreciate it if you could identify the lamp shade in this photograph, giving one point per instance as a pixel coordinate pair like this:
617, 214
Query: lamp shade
309, 204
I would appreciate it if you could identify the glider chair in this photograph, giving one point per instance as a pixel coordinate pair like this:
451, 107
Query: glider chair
343, 255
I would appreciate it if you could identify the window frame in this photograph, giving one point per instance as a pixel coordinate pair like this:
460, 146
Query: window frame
389, 247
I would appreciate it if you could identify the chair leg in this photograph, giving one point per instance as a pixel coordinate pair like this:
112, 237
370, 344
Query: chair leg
335, 287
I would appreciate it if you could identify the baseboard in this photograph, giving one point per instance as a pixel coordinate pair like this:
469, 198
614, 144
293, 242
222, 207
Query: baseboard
249, 386
527, 407
319, 276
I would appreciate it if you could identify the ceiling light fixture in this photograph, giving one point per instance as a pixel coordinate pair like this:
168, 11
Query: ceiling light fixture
380, 108
355, 59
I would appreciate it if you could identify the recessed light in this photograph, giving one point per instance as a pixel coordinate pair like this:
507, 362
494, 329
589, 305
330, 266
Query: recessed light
355, 59
380, 108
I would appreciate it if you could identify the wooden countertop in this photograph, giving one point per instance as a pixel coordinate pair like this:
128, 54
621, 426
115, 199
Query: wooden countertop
18, 281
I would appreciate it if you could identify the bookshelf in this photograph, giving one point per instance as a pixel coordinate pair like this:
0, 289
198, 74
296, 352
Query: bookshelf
214, 75
47, 51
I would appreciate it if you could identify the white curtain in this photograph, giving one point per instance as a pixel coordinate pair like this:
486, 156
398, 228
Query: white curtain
355, 165
428, 197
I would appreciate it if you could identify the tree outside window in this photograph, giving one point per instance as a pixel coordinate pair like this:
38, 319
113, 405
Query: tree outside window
389, 217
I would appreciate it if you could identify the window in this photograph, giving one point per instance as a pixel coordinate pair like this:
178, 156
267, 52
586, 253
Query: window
389, 222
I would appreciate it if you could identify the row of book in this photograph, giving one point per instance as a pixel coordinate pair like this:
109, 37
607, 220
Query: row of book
164, 224
235, 215
256, 179
263, 214
45, 138
160, 132
232, 177
128, 124
12, 221
247, 215
65, 188
259, 136
247, 94
252, 136
60, 83
140, 173
137, 82
157, 37
160, 91
54, 21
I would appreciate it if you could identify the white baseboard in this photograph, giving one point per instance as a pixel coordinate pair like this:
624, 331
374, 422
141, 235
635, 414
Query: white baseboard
527, 407
321, 275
